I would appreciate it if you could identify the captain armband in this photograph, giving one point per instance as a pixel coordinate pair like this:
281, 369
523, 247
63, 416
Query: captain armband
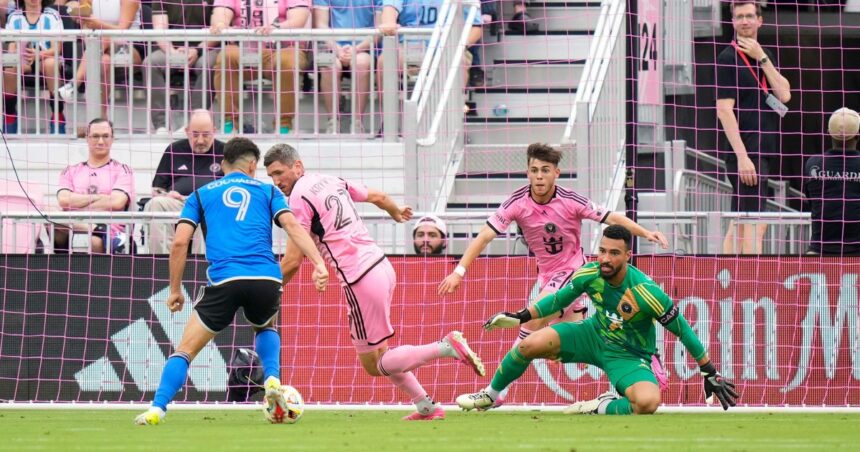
669, 316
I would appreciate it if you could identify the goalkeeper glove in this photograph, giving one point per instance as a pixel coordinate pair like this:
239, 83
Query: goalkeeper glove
506, 319
716, 385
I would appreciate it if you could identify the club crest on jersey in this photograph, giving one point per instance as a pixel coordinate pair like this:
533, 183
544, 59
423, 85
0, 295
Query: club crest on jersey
553, 245
627, 307
215, 167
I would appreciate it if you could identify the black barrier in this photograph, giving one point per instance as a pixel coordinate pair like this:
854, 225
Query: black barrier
95, 328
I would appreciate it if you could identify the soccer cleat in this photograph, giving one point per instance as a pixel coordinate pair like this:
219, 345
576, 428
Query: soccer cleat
152, 416
275, 398
659, 372
480, 400
591, 406
438, 414
465, 354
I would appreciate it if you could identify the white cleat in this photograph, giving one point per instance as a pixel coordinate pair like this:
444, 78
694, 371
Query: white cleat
591, 406
465, 354
152, 416
277, 404
480, 400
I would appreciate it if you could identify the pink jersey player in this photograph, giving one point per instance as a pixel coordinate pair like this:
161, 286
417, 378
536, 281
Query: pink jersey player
99, 180
551, 230
324, 205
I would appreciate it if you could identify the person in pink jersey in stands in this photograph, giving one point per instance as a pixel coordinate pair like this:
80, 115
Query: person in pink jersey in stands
98, 184
262, 16
550, 218
324, 206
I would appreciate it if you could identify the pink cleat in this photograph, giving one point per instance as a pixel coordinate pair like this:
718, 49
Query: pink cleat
464, 353
437, 415
659, 372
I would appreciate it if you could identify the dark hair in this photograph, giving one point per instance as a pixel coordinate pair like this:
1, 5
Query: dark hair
737, 3
618, 232
238, 148
100, 121
544, 153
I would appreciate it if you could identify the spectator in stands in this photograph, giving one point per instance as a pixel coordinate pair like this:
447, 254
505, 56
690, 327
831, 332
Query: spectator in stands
33, 15
291, 14
489, 14
98, 184
6, 8
422, 14
185, 166
430, 236
749, 82
346, 14
105, 15
182, 15
521, 23
832, 186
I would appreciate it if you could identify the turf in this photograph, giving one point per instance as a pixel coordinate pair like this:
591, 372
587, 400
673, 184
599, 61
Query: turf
49, 430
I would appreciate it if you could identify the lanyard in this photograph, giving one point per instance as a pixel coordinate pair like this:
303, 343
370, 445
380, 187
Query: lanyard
762, 81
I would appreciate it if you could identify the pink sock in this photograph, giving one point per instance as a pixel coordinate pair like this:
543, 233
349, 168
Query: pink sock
407, 383
407, 357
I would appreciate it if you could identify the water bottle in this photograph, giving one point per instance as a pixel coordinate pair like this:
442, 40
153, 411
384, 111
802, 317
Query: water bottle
500, 110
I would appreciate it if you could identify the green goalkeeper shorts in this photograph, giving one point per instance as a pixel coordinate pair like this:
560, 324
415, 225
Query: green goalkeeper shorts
580, 343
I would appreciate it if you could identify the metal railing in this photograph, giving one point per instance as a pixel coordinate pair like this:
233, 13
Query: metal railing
596, 128
433, 127
695, 232
392, 237
130, 105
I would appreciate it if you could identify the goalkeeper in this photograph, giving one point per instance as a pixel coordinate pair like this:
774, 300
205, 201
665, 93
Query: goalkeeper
620, 338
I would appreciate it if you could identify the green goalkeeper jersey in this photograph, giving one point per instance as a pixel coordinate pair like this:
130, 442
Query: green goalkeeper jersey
625, 314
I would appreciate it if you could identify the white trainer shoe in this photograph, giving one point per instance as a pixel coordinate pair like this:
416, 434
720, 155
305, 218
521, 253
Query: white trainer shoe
464, 353
162, 132
591, 406
152, 416
331, 127
67, 92
480, 400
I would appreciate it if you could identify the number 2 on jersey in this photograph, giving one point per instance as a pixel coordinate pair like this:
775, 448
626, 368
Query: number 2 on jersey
242, 203
340, 220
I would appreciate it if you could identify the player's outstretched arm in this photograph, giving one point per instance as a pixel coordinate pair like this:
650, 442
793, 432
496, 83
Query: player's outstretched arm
384, 202
547, 305
178, 255
673, 320
452, 281
637, 230
303, 241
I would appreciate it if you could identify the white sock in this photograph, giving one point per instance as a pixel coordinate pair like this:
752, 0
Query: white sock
492, 392
446, 350
425, 406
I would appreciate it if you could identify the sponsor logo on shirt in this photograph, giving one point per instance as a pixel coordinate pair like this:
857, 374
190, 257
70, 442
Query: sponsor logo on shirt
553, 245
817, 173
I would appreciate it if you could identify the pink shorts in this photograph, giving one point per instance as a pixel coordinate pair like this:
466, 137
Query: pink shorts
369, 302
553, 282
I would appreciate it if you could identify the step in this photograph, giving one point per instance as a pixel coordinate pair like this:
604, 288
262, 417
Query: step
509, 159
543, 46
514, 130
507, 73
524, 102
495, 190
557, 15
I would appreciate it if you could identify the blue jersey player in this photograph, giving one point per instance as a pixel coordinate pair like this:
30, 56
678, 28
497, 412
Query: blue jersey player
242, 270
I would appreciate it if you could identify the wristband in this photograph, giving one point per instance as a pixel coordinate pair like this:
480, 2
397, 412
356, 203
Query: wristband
708, 368
460, 270
524, 315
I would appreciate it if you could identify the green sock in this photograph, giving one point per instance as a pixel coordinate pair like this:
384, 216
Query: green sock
619, 406
512, 367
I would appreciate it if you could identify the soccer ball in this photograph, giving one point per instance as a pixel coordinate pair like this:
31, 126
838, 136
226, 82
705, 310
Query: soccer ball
291, 413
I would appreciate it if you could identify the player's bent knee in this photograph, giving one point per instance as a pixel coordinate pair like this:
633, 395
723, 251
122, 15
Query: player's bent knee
646, 406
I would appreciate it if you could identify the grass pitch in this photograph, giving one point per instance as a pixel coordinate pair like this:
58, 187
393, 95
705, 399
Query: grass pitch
211, 431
